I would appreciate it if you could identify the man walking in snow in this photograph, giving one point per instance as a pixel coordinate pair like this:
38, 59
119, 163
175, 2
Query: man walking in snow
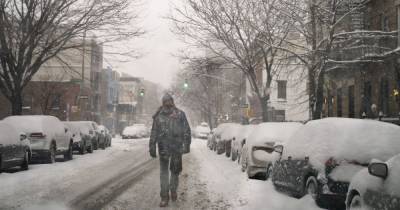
171, 132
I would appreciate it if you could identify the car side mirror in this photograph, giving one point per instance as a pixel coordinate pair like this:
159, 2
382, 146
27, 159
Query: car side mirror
278, 149
380, 170
23, 136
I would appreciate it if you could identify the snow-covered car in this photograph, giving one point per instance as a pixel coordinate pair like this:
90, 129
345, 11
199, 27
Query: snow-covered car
82, 141
135, 131
258, 152
223, 137
202, 131
94, 133
47, 135
14, 148
322, 157
377, 187
106, 134
239, 141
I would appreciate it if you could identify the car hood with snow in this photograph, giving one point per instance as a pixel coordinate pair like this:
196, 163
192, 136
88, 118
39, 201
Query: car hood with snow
389, 188
351, 140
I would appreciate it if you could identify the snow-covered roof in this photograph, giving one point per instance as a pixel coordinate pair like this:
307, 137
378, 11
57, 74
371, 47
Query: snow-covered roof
48, 125
344, 139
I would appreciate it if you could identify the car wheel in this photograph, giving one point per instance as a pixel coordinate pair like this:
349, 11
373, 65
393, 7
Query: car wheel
312, 187
25, 162
90, 150
355, 203
244, 166
96, 145
233, 155
52, 154
69, 153
83, 149
103, 146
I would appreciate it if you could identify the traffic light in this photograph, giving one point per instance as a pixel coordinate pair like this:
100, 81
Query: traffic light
141, 93
186, 84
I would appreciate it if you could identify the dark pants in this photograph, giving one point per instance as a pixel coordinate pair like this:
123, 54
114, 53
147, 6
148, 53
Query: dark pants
170, 181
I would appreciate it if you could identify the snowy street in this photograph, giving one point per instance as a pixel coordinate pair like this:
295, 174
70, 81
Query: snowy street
125, 177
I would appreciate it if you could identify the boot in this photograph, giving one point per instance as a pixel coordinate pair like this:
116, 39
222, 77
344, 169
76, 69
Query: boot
164, 202
174, 196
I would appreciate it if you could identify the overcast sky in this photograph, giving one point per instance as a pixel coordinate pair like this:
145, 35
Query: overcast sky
157, 63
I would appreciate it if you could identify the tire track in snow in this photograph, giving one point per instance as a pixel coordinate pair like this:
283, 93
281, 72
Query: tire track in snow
98, 197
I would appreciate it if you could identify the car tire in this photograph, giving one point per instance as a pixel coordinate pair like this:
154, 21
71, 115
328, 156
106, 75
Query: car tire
90, 149
83, 149
96, 145
52, 154
68, 155
233, 155
311, 188
25, 162
103, 146
355, 203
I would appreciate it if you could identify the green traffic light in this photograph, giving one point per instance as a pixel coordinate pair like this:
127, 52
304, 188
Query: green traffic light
186, 85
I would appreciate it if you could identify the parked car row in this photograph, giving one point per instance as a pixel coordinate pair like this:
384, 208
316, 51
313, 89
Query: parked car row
42, 138
341, 163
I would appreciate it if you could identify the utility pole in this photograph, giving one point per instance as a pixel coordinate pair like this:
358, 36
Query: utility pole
82, 85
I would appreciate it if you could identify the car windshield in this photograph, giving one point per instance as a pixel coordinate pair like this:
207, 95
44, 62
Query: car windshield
200, 104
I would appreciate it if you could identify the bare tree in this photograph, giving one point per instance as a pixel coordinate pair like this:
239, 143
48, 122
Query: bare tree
244, 33
324, 27
35, 31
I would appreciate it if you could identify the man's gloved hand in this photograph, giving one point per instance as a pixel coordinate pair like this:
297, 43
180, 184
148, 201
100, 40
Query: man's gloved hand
186, 148
153, 153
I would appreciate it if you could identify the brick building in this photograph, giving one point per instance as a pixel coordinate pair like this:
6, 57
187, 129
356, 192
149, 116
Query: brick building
365, 81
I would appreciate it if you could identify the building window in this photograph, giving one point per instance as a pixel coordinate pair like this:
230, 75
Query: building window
384, 22
280, 115
282, 89
351, 102
384, 97
339, 102
56, 103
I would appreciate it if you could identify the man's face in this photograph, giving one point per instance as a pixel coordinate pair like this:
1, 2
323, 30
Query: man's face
168, 103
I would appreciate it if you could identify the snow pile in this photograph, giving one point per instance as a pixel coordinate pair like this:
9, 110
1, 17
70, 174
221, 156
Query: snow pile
8, 134
344, 139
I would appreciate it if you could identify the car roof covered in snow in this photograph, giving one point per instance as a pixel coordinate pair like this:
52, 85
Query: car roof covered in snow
245, 132
272, 132
48, 125
9, 134
230, 131
344, 139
